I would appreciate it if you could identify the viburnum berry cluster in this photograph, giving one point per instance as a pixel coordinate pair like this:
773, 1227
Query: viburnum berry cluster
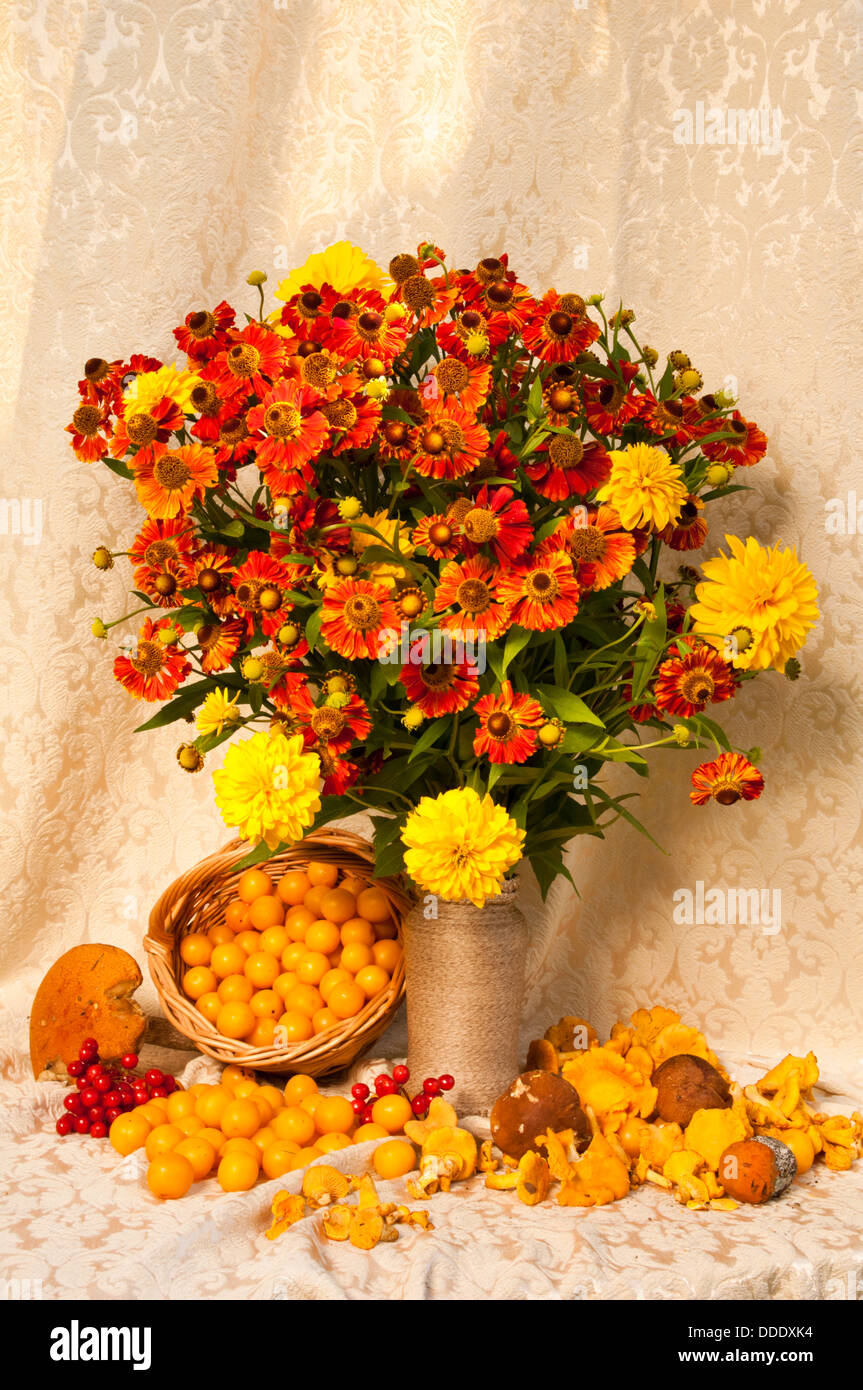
412, 543
387, 1084
103, 1092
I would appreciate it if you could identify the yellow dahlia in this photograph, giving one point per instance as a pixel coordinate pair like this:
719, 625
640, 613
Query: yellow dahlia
460, 845
268, 788
217, 710
755, 605
644, 487
342, 265
149, 387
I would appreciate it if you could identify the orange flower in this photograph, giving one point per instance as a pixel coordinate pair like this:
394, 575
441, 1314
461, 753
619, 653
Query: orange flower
449, 443
356, 615
506, 725
147, 431
472, 587
601, 551
566, 466
728, 779
500, 520
211, 571
689, 531
438, 687
353, 422
160, 542
558, 328
155, 670
427, 301
746, 443
252, 359
324, 726
437, 535
259, 588
219, 644
169, 483
543, 592
609, 405
295, 431
91, 431
368, 336
686, 684
453, 379
202, 334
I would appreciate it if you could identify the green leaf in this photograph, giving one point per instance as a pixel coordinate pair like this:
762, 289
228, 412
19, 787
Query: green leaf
516, 639
665, 385
428, 736
121, 469
313, 627
180, 706
650, 646
616, 804
259, 855
568, 707
234, 529
561, 662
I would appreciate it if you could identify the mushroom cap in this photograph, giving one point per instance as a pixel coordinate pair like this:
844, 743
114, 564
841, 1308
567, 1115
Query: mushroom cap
536, 1102
86, 993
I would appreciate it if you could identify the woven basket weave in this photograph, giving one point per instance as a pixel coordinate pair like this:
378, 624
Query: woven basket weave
197, 900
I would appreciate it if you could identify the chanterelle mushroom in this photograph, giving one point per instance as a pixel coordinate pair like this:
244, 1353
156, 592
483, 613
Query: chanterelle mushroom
448, 1155
323, 1184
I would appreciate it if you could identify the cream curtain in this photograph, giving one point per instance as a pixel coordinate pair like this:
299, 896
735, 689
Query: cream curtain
153, 153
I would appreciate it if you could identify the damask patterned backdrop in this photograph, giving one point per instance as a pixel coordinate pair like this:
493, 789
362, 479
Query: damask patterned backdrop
155, 152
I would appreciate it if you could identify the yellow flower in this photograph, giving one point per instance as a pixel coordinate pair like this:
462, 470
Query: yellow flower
268, 788
342, 265
149, 388
644, 487
460, 846
217, 710
763, 598
387, 528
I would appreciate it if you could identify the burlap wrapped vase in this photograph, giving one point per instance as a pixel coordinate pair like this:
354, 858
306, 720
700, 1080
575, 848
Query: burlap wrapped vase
465, 981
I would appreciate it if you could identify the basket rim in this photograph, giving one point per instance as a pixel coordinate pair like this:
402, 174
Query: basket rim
173, 915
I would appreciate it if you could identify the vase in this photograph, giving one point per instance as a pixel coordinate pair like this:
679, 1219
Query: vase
464, 970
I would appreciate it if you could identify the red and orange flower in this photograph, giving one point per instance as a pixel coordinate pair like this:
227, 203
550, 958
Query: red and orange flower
566, 467
472, 587
746, 443
507, 725
291, 430
438, 686
449, 443
155, 669
558, 328
542, 592
168, 484
729, 778
358, 618
685, 685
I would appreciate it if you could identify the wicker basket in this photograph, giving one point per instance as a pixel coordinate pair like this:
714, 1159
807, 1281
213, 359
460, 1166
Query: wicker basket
196, 901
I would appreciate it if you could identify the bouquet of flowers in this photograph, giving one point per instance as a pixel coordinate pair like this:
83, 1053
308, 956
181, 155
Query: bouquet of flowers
407, 545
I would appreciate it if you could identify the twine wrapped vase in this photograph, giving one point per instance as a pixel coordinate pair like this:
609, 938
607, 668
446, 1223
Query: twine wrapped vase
465, 981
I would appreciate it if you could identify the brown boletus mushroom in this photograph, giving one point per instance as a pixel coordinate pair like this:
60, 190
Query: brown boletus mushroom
685, 1084
536, 1102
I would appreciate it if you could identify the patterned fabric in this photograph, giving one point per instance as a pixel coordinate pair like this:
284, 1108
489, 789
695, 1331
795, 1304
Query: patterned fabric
154, 155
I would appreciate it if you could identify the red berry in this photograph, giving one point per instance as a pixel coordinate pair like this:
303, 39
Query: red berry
154, 1077
96, 1113
95, 1069
432, 1086
420, 1104
169, 1084
401, 1074
129, 1060
82, 1083
72, 1102
367, 1115
98, 1130
75, 1069
158, 1093
360, 1091
89, 1097
112, 1098
382, 1084
358, 1106
446, 1081
81, 1124
101, 1083
111, 1115
64, 1124
88, 1051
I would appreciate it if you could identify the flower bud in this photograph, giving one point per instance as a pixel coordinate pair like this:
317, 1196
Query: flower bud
98, 628
102, 558
256, 277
